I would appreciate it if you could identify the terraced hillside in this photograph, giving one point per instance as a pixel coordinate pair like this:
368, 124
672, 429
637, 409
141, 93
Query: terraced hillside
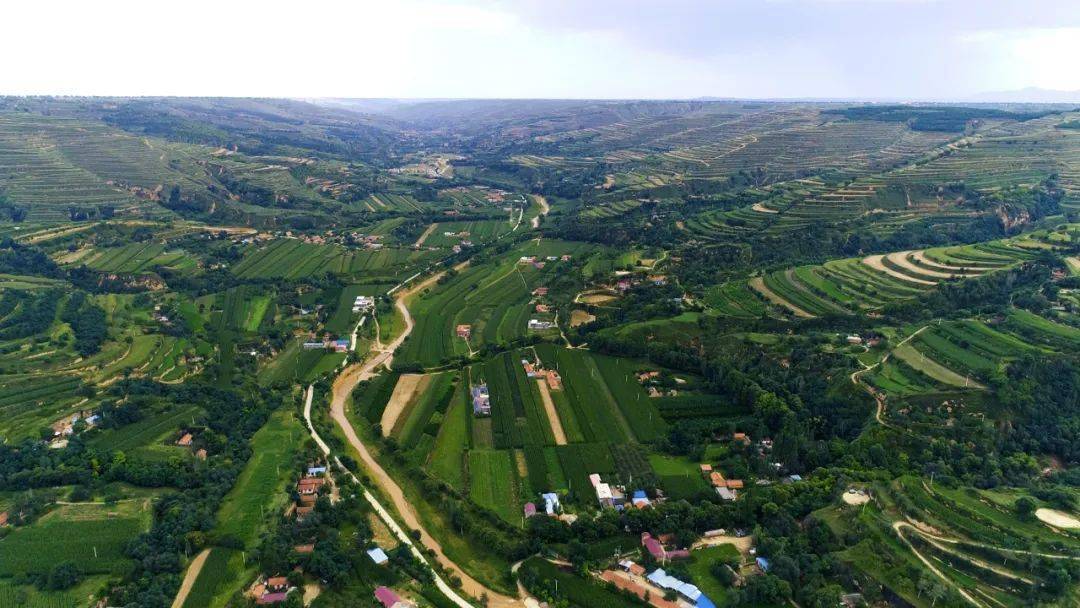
859, 285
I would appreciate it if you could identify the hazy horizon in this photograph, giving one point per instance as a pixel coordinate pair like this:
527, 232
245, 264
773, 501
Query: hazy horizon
958, 50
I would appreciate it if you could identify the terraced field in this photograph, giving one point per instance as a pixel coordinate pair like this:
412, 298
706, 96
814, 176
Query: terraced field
856, 285
50, 165
292, 258
135, 257
970, 541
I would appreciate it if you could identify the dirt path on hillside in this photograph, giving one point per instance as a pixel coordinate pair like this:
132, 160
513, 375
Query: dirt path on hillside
342, 388
897, 526
544, 209
426, 233
407, 386
552, 414
875, 262
921, 257
194, 568
761, 208
900, 259
1057, 519
758, 284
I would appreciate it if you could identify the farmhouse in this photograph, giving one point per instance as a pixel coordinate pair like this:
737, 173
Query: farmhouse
464, 331
854, 340
540, 291
706, 470
543, 308
657, 550
271, 598
378, 556
530, 371
551, 503
309, 485
316, 470
725, 494
640, 500
389, 599
539, 325
530, 509
554, 381
341, 346
688, 592
632, 568
363, 303
185, 440
277, 583
481, 400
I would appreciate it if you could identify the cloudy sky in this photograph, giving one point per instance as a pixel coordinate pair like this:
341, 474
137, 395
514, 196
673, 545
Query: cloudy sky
904, 49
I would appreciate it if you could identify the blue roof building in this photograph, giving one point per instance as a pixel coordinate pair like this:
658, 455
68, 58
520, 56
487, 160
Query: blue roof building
763, 564
378, 556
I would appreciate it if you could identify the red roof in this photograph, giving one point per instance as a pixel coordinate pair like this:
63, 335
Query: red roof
277, 581
304, 548
272, 598
386, 596
652, 545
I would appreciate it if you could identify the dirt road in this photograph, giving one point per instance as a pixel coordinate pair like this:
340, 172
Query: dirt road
426, 233
342, 388
194, 568
552, 414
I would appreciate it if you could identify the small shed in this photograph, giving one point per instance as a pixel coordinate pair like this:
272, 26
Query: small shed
378, 556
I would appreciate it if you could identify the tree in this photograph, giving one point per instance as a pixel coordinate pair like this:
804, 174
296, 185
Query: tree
1025, 507
63, 576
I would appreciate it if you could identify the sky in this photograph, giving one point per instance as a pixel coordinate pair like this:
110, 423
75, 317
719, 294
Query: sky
849, 49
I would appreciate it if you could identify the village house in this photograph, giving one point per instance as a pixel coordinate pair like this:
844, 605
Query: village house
543, 308
686, 591
539, 325
529, 509
464, 331
554, 381
551, 503
378, 556
481, 400
389, 599
657, 550
185, 440
540, 291
304, 549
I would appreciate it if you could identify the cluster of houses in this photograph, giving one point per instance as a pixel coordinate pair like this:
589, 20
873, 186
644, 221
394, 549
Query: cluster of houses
272, 590
551, 505
64, 428
308, 491
275, 589
727, 489
340, 345
612, 496
538, 263
363, 304
536, 372
657, 583
187, 440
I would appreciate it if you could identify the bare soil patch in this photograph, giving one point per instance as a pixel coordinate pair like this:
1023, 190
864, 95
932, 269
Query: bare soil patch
580, 317
1058, 519
758, 284
408, 386
426, 233
552, 414
874, 261
856, 498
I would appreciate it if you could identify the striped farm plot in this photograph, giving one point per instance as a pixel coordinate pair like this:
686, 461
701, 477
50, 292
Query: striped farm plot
854, 285
294, 259
134, 257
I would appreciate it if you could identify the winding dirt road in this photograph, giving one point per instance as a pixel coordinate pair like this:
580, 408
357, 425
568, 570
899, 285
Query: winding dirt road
342, 388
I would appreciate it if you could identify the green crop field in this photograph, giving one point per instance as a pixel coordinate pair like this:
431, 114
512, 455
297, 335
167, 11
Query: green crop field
260, 490
222, 575
493, 482
92, 536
